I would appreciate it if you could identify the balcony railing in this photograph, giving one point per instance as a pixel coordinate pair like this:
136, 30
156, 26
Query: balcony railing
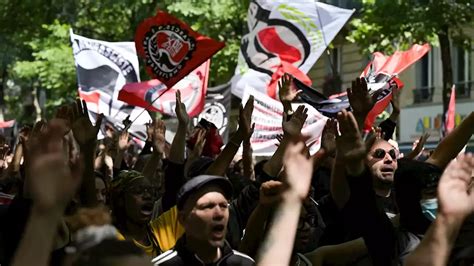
463, 89
423, 95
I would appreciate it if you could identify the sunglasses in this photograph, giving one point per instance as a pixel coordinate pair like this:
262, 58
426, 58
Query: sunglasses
380, 153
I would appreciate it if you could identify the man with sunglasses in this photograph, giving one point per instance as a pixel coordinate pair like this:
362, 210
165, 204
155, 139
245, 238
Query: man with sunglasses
382, 164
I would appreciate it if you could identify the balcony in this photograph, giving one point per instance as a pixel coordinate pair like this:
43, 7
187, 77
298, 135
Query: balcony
423, 95
463, 89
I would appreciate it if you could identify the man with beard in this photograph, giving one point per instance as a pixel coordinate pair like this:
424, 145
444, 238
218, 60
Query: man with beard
203, 210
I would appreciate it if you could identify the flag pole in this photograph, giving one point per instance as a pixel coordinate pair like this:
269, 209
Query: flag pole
144, 109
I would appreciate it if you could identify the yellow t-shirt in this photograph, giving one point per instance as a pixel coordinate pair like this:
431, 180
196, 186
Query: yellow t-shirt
166, 229
149, 250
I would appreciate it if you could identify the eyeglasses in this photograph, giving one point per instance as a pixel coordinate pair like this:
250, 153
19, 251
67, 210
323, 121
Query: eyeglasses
380, 153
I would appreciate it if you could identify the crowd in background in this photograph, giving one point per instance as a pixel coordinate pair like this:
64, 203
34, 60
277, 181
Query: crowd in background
68, 198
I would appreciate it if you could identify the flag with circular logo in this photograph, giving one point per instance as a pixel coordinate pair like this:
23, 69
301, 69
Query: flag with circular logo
171, 49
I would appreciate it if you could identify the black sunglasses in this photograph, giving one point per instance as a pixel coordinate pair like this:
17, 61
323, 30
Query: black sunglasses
380, 153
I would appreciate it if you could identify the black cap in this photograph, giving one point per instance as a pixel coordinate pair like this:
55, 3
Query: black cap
198, 182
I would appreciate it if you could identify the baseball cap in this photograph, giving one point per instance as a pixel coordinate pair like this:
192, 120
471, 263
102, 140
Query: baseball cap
199, 182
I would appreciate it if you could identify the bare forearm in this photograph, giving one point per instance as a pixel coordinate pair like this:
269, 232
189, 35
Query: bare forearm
394, 116
150, 166
118, 159
453, 143
339, 187
87, 190
360, 118
254, 231
437, 243
178, 145
37, 242
248, 160
278, 245
222, 162
287, 108
14, 167
273, 166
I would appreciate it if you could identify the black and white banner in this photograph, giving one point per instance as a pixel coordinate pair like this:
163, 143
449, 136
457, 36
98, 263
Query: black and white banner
217, 108
103, 68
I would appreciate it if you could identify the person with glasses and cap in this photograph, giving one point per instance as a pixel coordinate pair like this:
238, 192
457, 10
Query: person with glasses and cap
132, 199
203, 210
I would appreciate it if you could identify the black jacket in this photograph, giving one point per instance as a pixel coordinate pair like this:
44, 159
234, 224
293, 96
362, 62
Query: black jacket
181, 255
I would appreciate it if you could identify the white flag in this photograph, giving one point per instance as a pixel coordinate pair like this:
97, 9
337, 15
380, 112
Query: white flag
102, 70
268, 117
283, 34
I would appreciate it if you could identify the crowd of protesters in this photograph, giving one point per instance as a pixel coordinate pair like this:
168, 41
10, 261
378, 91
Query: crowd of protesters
71, 199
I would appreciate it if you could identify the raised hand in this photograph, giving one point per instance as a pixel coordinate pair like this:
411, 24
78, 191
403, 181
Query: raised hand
149, 130
359, 98
53, 179
418, 146
298, 169
455, 190
270, 192
285, 93
246, 127
24, 134
4, 149
293, 126
349, 144
159, 140
84, 132
122, 141
180, 110
200, 142
328, 137
395, 101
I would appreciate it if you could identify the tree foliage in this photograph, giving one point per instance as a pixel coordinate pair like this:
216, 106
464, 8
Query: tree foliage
396, 25
36, 54
387, 26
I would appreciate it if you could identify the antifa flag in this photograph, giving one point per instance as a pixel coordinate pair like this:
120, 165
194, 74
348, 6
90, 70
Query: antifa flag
449, 122
156, 97
102, 70
267, 117
217, 108
284, 37
171, 49
381, 76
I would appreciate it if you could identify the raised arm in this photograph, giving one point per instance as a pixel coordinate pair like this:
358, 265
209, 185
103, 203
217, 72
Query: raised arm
53, 186
453, 143
122, 146
360, 100
86, 136
158, 142
456, 202
270, 195
349, 158
286, 94
278, 244
14, 167
247, 160
244, 132
291, 129
177, 150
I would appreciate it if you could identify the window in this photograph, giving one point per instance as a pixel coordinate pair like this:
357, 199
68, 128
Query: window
462, 65
424, 80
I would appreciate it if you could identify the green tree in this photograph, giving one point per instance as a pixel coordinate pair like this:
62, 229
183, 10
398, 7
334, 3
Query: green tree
391, 25
35, 50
